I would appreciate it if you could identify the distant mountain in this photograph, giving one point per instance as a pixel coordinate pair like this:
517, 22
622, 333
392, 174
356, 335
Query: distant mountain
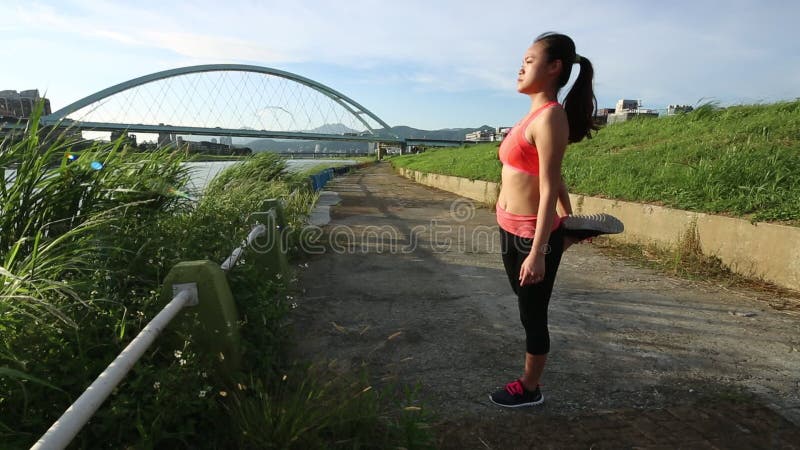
293, 145
332, 128
450, 134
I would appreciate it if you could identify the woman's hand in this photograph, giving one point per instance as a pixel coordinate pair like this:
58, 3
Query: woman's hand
532, 269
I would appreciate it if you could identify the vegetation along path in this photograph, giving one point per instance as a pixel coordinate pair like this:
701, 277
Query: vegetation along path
411, 286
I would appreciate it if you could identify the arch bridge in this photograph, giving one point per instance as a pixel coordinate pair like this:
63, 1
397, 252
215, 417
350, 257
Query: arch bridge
229, 100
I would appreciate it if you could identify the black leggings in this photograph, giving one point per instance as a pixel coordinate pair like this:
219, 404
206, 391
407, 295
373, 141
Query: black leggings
533, 299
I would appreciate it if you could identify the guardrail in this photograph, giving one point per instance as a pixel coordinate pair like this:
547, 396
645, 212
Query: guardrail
200, 284
320, 179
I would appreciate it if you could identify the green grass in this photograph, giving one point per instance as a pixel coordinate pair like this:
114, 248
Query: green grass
742, 161
478, 162
85, 249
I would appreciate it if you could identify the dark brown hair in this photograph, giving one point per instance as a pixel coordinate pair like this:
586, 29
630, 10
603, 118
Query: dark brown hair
580, 103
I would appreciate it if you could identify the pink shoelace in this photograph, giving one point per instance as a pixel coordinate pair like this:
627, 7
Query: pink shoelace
515, 388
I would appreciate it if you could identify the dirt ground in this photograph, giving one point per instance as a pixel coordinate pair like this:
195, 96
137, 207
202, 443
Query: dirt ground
412, 286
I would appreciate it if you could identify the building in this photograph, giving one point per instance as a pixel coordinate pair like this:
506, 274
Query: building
127, 139
209, 147
677, 109
20, 105
601, 115
485, 135
628, 109
480, 136
502, 132
627, 105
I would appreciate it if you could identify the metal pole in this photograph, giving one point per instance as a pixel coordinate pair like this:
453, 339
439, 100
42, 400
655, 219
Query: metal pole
67, 426
257, 231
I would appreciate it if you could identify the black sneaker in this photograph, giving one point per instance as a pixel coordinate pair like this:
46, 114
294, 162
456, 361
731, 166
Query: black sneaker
514, 395
588, 226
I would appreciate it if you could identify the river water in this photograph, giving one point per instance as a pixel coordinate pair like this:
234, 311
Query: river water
201, 173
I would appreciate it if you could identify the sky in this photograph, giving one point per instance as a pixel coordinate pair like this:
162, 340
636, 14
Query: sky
422, 63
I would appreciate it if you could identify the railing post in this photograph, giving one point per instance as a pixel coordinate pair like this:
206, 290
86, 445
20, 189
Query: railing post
277, 205
270, 250
214, 323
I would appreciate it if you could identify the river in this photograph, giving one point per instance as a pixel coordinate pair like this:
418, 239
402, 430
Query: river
201, 173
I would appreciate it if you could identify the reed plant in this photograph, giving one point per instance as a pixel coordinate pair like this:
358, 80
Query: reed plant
62, 201
88, 232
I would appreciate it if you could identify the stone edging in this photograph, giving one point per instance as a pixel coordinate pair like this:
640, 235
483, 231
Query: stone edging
760, 250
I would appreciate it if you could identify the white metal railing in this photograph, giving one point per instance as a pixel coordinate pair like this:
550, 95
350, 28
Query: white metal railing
75, 417
257, 231
67, 426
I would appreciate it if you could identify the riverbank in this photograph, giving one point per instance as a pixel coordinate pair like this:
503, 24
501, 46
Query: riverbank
86, 245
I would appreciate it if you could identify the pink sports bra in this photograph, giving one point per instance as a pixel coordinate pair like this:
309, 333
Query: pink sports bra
516, 151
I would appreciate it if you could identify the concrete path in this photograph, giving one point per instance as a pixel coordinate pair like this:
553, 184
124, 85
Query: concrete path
411, 285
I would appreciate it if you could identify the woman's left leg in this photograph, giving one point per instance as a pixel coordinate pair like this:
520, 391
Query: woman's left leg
533, 300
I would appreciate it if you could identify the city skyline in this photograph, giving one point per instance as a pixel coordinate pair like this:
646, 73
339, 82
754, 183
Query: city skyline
428, 66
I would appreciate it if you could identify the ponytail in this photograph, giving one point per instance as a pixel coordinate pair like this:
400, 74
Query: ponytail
580, 103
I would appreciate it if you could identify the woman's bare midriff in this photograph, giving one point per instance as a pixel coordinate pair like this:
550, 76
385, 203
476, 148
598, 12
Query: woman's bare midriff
519, 192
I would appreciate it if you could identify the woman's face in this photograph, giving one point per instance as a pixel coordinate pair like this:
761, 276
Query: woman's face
536, 73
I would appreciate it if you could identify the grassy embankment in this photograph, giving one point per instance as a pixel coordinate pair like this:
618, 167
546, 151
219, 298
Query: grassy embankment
741, 161
85, 243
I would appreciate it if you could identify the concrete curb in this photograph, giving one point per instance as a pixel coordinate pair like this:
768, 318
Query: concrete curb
758, 250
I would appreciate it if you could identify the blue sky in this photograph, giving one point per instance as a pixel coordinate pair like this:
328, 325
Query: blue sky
422, 63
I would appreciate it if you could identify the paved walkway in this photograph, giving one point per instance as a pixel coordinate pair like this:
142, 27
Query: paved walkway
411, 286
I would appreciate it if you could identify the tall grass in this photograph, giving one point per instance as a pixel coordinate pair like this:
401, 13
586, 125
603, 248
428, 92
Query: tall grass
86, 242
741, 160
60, 317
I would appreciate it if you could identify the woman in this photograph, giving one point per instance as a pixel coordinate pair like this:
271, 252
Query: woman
532, 239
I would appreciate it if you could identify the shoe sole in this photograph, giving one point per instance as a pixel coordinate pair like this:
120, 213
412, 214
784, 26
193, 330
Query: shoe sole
594, 223
521, 405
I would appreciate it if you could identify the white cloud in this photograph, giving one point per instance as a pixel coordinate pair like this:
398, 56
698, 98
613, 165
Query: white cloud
680, 50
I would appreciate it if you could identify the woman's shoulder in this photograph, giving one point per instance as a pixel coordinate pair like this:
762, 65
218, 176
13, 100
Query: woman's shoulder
554, 116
